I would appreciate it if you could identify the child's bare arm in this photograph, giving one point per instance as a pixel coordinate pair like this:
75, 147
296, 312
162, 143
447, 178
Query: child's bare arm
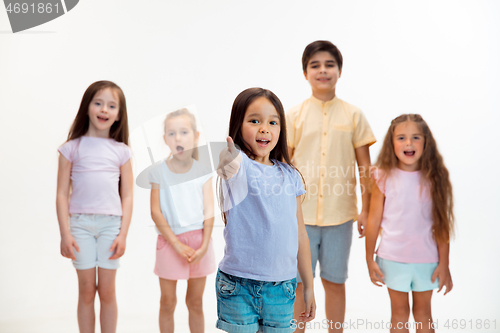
305, 268
62, 207
372, 230
126, 195
208, 224
363, 160
443, 270
162, 225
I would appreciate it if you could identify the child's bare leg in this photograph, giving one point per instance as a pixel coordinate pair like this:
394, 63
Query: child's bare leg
334, 305
422, 311
167, 305
107, 296
298, 307
194, 302
400, 310
86, 299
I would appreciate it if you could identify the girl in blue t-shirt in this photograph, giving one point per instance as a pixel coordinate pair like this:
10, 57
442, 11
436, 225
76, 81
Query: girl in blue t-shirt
265, 236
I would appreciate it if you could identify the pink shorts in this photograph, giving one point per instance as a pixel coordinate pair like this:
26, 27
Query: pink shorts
171, 266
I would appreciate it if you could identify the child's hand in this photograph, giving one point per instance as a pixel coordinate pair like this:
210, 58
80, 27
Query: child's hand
310, 304
442, 272
118, 247
375, 273
67, 244
229, 160
362, 220
197, 255
183, 250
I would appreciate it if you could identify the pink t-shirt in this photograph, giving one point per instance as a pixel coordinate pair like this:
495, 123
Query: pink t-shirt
407, 219
95, 172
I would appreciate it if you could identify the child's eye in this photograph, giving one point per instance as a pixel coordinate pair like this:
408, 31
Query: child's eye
112, 106
254, 121
274, 123
171, 134
184, 132
97, 103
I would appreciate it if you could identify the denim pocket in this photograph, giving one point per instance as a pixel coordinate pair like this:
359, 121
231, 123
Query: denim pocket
225, 287
289, 288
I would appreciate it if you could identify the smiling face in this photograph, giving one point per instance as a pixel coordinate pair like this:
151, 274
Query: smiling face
261, 129
322, 73
408, 143
103, 111
180, 137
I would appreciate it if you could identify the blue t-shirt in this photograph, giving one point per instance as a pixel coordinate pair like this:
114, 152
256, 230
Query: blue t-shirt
261, 233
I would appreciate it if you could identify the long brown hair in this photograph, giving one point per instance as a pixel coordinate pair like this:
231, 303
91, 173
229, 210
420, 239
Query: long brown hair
240, 105
80, 126
433, 170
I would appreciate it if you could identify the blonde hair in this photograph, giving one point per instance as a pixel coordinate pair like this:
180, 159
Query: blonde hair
433, 170
178, 113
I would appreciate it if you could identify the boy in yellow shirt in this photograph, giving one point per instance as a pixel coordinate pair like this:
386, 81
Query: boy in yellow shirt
326, 137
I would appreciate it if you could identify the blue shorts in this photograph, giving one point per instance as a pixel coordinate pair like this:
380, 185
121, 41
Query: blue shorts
407, 277
249, 306
331, 245
94, 235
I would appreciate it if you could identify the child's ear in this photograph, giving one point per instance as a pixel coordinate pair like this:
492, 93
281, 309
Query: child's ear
305, 75
340, 73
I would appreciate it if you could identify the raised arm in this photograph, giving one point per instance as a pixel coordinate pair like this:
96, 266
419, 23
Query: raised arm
62, 207
372, 230
363, 160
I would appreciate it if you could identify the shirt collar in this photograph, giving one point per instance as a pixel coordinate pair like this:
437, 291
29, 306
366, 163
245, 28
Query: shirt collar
320, 102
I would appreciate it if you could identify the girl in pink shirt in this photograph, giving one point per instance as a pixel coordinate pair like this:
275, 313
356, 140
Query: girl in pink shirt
412, 208
95, 164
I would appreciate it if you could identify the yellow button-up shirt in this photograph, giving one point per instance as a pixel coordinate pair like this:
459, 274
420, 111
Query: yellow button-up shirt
323, 136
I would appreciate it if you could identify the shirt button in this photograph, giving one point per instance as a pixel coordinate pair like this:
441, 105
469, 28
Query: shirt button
323, 154
324, 113
324, 133
321, 195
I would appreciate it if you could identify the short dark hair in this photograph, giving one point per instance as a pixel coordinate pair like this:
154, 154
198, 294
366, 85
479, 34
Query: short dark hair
319, 46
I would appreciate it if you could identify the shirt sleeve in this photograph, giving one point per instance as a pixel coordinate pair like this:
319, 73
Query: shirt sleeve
67, 150
362, 134
379, 176
125, 155
154, 175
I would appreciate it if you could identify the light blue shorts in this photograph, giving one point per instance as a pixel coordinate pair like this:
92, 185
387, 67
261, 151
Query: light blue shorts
407, 277
331, 245
249, 306
94, 235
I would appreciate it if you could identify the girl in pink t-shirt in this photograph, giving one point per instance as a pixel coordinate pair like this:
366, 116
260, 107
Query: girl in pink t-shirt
95, 164
412, 208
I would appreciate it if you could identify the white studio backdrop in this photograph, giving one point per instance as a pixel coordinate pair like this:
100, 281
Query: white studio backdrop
436, 58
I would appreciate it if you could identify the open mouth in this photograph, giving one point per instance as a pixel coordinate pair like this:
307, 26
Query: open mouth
409, 152
180, 149
263, 142
101, 118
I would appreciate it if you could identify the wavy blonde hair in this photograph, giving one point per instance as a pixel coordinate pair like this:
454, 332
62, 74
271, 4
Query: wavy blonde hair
433, 170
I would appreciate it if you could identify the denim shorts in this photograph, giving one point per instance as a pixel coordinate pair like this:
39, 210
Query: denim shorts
406, 277
249, 306
331, 246
94, 234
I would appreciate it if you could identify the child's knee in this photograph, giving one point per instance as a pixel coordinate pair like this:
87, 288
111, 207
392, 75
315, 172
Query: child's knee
87, 293
168, 303
106, 295
422, 312
194, 303
401, 311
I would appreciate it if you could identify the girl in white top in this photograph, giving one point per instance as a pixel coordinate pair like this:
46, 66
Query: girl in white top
95, 164
182, 208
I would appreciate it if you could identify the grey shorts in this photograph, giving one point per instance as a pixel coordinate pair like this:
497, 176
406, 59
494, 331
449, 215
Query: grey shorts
331, 245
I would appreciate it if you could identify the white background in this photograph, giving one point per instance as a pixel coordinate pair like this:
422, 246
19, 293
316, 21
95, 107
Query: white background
436, 58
